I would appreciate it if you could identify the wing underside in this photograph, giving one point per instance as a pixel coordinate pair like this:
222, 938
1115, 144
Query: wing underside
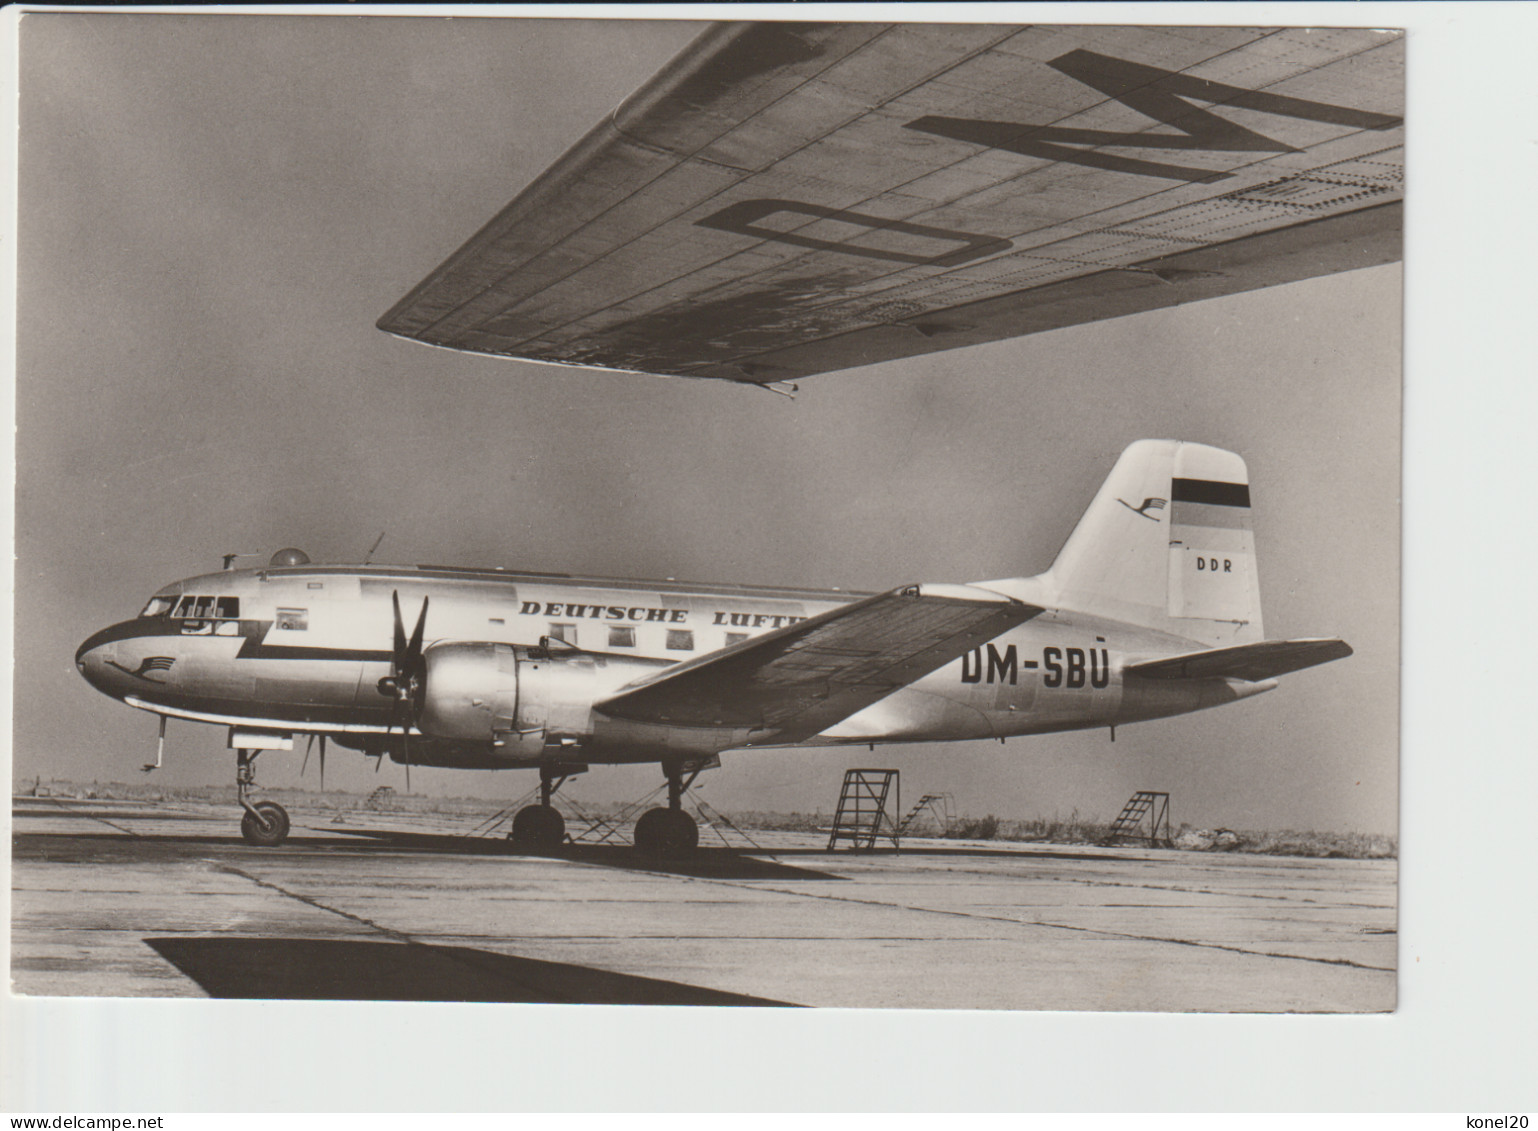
795, 682
788, 198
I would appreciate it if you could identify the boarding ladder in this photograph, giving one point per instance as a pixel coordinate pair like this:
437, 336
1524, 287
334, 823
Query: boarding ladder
1148, 807
862, 809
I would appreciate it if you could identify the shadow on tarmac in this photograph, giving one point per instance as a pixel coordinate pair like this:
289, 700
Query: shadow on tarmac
116, 848
354, 970
712, 863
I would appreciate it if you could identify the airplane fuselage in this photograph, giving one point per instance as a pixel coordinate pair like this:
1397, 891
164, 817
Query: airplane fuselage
520, 659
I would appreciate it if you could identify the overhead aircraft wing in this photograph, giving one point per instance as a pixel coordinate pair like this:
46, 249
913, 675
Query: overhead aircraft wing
1254, 662
799, 680
790, 198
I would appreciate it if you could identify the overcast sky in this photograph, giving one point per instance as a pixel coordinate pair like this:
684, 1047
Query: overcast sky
215, 210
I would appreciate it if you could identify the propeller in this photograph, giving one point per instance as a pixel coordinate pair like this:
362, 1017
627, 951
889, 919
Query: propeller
306, 765
408, 674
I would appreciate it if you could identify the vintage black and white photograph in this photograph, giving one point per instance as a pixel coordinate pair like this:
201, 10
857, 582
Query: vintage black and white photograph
654, 512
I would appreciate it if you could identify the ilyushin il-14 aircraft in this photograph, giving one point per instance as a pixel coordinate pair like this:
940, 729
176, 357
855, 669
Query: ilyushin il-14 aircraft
786, 199
1151, 609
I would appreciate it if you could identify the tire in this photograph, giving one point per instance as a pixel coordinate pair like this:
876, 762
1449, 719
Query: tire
270, 830
648, 831
539, 827
666, 833
683, 835
525, 825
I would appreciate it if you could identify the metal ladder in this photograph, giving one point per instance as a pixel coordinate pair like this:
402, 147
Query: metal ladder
1149, 804
862, 812
939, 806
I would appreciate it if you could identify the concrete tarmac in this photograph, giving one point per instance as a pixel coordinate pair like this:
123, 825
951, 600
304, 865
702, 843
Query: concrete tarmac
132, 899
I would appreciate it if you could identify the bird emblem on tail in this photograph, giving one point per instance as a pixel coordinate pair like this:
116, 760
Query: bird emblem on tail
1151, 503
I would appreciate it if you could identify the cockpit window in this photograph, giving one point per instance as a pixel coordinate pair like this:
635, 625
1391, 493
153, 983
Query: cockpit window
193, 607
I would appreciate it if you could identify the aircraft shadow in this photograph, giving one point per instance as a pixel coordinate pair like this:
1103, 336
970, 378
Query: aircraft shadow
356, 970
975, 852
714, 863
706, 863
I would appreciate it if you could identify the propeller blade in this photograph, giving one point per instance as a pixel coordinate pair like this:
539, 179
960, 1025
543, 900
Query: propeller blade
399, 650
414, 648
322, 763
305, 765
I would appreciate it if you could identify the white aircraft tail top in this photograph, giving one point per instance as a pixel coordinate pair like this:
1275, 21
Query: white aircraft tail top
1166, 543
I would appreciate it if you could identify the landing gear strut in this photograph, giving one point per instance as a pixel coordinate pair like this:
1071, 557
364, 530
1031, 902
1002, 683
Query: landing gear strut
541, 826
265, 822
670, 831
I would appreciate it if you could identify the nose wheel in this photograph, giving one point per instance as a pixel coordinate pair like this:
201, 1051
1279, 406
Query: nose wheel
265, 822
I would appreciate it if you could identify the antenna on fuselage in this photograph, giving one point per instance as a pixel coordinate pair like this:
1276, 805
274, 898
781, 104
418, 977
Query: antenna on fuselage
370, 555
229, 559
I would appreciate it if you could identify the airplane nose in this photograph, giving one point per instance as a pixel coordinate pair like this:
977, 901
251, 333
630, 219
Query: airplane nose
92, 657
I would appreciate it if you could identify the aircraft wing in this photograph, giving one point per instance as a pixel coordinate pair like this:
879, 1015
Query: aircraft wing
789, 198
799, 680
1263, 660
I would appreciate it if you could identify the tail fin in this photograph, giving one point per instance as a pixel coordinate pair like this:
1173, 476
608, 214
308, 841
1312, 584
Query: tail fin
1166, 543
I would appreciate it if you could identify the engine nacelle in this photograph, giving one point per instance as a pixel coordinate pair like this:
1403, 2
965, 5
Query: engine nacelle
471, 691
524, 703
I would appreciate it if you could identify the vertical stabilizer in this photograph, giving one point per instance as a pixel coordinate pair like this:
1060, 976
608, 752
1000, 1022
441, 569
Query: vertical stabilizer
1167, 544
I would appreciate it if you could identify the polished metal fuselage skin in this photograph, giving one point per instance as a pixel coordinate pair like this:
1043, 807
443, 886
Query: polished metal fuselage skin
311, 643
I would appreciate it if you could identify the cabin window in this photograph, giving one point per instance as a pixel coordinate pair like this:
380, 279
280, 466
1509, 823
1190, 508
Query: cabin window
227, 608
184, 606
566, 633
621, 637
292, 620
735, 638
680, 640
159, 606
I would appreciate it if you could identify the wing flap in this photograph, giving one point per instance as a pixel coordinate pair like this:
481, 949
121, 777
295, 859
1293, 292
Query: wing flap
799, 680
786, 199
1265, 659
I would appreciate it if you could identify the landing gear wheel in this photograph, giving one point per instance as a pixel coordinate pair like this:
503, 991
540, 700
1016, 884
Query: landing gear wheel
268, 826
666, 832
538, 826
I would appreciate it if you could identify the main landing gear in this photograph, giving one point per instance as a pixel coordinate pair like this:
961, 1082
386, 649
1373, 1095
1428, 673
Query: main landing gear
670, 831
265, 822
541, 826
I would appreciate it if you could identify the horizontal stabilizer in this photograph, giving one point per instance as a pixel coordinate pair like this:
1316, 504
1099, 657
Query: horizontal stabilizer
1253, 662
799, 680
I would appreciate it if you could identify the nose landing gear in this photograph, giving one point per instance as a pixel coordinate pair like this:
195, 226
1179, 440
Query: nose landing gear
265, 822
